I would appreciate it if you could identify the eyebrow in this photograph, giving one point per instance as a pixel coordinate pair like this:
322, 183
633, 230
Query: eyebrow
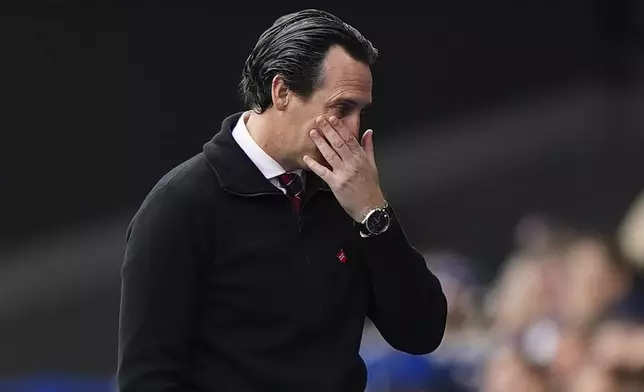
350, 102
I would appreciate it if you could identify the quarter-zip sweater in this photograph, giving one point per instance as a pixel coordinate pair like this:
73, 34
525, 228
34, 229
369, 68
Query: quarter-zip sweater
226, 289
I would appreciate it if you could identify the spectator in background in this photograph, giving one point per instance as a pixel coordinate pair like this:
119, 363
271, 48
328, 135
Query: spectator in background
614, 361
525, 292
521, 305
519, 297
591, 378
507, 371
597, 282
596, 278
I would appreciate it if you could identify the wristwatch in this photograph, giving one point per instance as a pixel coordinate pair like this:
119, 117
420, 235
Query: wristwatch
375, 222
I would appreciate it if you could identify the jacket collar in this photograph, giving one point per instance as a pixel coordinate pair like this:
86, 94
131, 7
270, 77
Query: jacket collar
237, 173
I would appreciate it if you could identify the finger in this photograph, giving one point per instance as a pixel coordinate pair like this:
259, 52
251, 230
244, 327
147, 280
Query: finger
317, 168
367, 145
327, 152
345, 134
335, 140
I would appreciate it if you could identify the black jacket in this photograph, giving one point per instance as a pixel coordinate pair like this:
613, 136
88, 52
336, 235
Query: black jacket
225, 288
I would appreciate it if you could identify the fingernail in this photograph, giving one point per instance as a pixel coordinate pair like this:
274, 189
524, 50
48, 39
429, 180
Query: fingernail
313, 132
333, 120
320, 120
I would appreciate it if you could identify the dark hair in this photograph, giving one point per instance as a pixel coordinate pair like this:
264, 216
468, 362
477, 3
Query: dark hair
295, 47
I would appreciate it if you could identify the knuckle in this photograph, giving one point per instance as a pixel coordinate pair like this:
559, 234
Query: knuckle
329, 156
338, 144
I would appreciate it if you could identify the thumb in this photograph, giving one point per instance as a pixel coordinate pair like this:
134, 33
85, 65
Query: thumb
367, 145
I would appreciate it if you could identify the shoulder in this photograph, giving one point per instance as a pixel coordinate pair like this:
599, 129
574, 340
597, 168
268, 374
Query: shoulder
190, 179
175, 222
184, 193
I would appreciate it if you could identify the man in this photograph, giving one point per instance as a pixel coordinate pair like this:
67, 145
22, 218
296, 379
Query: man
252, 266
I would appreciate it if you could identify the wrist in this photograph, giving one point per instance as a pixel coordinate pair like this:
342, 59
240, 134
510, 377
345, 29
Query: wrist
377, 203
376, 221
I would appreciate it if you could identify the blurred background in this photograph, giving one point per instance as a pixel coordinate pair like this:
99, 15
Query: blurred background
518, 128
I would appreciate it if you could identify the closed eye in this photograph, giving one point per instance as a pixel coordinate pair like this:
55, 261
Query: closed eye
344, 110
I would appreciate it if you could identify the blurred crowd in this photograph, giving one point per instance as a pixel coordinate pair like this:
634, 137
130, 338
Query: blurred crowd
565, 313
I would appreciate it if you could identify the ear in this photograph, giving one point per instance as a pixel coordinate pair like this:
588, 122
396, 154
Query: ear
280, 93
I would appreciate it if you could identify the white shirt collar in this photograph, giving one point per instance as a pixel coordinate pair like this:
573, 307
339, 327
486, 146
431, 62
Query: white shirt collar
267, 165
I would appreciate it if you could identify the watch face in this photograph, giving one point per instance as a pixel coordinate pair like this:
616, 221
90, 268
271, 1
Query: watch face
378, 221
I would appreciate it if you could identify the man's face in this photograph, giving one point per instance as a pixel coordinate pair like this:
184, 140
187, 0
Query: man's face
345, 92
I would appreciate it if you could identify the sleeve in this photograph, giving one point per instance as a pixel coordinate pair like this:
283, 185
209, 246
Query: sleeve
165, 249
407, 303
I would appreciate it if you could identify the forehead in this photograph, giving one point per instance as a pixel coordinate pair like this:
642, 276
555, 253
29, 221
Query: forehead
345, 77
